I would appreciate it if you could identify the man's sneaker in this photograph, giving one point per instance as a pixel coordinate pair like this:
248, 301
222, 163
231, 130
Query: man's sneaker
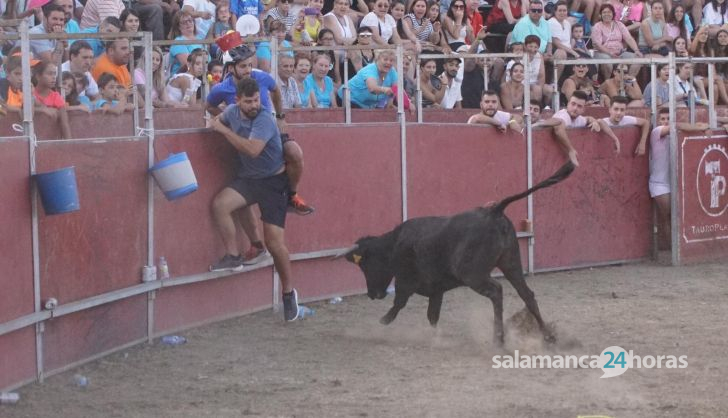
290, 306
297, 205
255, 255
228, 263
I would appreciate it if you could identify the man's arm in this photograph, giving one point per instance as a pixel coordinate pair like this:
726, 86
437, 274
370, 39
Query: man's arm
645, 125
486, 120
249, 146
593, 124
607, 130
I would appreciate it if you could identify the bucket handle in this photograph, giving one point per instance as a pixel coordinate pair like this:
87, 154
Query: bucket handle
144, 131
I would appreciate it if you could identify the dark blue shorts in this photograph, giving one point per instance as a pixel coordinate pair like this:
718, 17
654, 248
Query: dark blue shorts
270, 193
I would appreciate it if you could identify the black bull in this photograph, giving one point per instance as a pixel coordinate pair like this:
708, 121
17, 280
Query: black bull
431, 255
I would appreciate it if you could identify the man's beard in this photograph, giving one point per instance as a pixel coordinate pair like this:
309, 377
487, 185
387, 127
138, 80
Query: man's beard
252, 113
490, 112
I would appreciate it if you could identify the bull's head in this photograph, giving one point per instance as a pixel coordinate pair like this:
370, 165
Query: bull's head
372, 257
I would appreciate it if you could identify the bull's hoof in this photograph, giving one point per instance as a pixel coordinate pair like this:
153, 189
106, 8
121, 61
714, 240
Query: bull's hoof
386, 320
433, 324
499, 339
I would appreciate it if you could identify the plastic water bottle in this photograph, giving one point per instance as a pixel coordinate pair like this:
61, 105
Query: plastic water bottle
163, 268
80, 380
305, 312
188, 95
173, 340
336, 300
9, 398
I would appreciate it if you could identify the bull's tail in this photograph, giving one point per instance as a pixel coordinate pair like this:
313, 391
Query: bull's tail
558, 176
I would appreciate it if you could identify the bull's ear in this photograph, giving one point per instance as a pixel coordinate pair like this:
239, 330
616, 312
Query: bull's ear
355, 257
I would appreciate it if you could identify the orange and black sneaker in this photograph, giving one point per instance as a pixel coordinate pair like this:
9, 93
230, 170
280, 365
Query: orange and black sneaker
297, 205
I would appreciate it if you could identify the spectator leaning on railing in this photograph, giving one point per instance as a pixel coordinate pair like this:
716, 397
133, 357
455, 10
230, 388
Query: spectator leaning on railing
80, 59
182, 87
287, 84
11, 87
53, 22
371, 87
318, 85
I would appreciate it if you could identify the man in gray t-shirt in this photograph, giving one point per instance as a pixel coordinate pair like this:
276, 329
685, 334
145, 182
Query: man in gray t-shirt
261, 179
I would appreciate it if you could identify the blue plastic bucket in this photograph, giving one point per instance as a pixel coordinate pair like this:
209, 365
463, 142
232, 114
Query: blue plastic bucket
175, 176
58, 191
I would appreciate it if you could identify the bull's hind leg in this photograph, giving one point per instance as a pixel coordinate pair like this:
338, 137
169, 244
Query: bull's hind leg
400, 301
510, 265
433, 309
493, 291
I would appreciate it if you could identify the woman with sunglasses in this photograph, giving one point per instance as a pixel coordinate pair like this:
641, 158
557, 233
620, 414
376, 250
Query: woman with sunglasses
340, 24
372, 86
358, 59
457, 25
381, 23
621, 84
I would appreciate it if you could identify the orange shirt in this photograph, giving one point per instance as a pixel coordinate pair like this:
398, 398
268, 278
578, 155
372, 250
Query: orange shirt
104, 65
15, 98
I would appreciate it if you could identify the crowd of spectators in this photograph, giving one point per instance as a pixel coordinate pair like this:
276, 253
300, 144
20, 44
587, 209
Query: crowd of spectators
578, 29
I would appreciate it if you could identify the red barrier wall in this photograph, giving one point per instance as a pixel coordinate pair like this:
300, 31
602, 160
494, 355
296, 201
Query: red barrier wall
602, 212
703, 197
17, 349
352, 176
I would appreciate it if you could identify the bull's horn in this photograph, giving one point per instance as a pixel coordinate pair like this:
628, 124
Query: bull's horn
343, 253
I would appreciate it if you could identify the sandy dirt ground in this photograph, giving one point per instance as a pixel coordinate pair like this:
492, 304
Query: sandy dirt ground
342, 362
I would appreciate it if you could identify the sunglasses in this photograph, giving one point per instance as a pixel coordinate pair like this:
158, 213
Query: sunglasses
536, 10
458, 6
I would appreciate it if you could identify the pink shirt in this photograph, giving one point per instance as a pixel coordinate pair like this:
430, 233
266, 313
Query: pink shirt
627, 120
659, 161
579, 122
610, 37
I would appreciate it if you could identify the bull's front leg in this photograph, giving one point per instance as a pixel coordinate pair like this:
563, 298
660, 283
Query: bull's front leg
400, 301
433, 309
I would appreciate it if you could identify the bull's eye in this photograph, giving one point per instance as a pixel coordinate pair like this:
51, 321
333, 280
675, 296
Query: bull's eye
356, 258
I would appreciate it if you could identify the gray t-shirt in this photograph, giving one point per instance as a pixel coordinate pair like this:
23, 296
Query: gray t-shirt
262, 127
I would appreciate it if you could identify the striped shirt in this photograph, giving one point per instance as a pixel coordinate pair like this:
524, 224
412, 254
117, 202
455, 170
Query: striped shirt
289, 20
96, 11
422, 29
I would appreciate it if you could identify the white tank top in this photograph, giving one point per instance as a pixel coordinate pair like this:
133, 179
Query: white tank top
345, 29
176, 94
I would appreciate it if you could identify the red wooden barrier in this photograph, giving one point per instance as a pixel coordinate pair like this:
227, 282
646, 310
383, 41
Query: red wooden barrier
352, 176
703, 197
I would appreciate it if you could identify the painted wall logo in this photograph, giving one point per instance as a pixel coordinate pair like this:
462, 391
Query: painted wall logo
711, 180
